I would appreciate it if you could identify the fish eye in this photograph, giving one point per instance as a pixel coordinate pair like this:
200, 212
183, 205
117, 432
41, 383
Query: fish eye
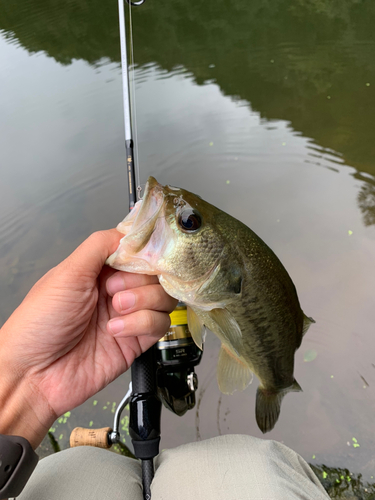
189, 220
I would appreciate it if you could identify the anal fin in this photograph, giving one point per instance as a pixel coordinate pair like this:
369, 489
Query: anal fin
268, 403
232, 373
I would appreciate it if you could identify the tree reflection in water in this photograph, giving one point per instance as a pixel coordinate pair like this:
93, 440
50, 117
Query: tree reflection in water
366, 202
309, 63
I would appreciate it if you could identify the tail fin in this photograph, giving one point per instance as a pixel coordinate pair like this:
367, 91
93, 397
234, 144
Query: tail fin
268, 403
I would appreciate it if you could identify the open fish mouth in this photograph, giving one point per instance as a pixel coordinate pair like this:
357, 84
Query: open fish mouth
144, 209
138, 227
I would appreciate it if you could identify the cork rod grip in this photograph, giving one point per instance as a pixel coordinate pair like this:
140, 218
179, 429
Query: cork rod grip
90, 437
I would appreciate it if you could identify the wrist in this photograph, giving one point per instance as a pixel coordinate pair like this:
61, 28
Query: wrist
23, 410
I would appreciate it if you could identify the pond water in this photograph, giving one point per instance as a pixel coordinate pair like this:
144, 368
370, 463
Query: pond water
266, 110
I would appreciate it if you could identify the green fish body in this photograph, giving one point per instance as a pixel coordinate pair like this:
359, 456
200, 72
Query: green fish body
232, 283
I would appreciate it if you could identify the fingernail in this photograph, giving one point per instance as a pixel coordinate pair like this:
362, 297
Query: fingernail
127, 300
115, 284
116, 325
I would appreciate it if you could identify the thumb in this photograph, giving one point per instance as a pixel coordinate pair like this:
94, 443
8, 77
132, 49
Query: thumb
91, 255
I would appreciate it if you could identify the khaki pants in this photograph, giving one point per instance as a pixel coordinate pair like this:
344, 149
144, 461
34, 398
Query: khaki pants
232, 467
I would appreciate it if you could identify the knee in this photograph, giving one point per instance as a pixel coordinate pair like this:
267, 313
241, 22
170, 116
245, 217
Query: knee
83, 472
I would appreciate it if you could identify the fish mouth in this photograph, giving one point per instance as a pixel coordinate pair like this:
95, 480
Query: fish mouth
138, 227
144, 209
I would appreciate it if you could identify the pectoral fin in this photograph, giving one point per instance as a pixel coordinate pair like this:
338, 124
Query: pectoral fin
196, 327
226, 326
232, 373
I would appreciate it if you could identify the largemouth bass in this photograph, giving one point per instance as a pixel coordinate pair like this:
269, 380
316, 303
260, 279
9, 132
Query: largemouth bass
232, 283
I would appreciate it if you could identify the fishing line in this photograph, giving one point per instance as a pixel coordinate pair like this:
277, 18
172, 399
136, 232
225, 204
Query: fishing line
133, 105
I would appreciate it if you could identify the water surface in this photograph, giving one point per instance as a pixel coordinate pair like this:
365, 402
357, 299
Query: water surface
266, 111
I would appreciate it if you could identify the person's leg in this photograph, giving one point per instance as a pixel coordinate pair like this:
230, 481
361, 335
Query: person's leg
234, 467
85, 473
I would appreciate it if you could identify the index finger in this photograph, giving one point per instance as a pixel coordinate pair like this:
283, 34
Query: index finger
122, 280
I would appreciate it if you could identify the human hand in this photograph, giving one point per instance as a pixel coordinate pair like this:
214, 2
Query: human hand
61, 345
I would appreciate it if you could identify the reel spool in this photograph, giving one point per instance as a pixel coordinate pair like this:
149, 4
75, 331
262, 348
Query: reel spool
176, 356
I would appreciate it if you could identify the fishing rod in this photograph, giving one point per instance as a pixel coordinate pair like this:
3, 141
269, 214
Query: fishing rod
129, 144
144, 405
165, 372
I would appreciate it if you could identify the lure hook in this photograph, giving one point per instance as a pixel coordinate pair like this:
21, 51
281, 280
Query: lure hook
135, 4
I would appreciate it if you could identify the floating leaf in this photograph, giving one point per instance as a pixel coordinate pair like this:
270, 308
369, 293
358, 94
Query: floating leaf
350, 232
310, 355
228, 182
91, 423
95, 402
67, 414
367, 84
211, 144
324, 474
313, 457
355, 443
60, 437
